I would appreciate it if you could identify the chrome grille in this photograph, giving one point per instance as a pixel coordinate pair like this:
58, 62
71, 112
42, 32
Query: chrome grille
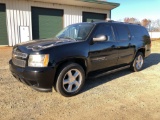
18, 62
18, 58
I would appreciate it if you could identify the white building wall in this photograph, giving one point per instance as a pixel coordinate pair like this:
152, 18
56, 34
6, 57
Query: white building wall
19, 14
154, 34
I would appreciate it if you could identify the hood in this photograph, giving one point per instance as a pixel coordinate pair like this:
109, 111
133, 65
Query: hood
37, 45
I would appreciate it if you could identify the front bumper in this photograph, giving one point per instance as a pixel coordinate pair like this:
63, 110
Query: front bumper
40, 79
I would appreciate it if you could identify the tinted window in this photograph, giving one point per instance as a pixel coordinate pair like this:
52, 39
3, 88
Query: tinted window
138, 31
123, 32
106, 30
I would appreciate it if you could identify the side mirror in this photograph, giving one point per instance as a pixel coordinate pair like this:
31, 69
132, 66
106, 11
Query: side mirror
100, 39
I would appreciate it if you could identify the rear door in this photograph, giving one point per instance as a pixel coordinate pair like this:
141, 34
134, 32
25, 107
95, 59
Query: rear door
126, 48
103, 54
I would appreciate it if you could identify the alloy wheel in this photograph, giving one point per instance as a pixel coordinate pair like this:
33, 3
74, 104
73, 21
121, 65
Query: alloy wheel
72, 80
139, 62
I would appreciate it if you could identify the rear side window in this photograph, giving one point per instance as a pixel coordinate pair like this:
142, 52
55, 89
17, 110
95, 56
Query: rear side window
123, 32
138, 31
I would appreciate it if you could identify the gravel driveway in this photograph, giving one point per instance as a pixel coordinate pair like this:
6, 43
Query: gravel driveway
123, 95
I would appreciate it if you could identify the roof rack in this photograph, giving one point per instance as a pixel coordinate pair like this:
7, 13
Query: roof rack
104, 21
112, 21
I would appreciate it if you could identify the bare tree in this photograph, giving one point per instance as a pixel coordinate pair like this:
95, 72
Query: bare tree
155, 25
151, 25
158, 24
131, 20
145, 22
126, 20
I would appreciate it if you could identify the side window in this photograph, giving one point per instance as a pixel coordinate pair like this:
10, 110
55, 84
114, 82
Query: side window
138, 31
106, 30
123, 32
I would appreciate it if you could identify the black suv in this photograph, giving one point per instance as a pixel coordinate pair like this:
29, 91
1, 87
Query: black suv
80, 50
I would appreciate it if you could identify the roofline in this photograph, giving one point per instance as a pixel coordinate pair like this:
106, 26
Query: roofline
83, 3
115, 22
101, 2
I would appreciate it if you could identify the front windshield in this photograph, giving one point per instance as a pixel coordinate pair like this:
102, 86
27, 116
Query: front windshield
76, 31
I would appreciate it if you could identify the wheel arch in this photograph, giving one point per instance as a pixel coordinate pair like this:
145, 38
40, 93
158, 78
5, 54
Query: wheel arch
142, 50
81, 61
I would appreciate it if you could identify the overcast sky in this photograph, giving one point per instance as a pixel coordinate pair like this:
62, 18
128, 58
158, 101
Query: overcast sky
139, 9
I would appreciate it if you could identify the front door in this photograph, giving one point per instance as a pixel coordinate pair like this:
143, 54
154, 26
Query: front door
24, 33
103, 54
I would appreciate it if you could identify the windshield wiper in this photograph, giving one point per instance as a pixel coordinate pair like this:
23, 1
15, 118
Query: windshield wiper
66, 37
57, 37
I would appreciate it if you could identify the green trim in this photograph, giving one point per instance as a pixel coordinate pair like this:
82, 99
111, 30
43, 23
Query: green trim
110, 14
46, 22
89, 16
101, 2
3, 28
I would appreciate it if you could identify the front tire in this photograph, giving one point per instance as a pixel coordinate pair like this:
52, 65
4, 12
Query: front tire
70, 80
137, 63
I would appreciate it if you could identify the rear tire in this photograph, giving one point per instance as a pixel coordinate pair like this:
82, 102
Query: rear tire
70, 79
137, 63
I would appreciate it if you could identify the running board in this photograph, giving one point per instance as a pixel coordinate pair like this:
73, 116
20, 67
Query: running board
109, 72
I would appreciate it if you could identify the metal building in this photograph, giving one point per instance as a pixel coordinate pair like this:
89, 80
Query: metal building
24, 20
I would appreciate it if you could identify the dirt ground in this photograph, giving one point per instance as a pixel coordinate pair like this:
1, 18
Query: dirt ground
123, 95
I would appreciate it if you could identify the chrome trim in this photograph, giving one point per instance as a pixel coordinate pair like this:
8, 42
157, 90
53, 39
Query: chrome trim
19, 54
72, 80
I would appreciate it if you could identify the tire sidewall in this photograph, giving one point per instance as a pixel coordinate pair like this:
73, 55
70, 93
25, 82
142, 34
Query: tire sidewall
62, 73
134, 68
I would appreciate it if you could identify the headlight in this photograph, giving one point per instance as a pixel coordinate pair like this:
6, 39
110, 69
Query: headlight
38, 60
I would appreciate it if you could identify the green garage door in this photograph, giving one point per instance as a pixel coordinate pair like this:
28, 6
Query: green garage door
3, 28
46, 23
88, 16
